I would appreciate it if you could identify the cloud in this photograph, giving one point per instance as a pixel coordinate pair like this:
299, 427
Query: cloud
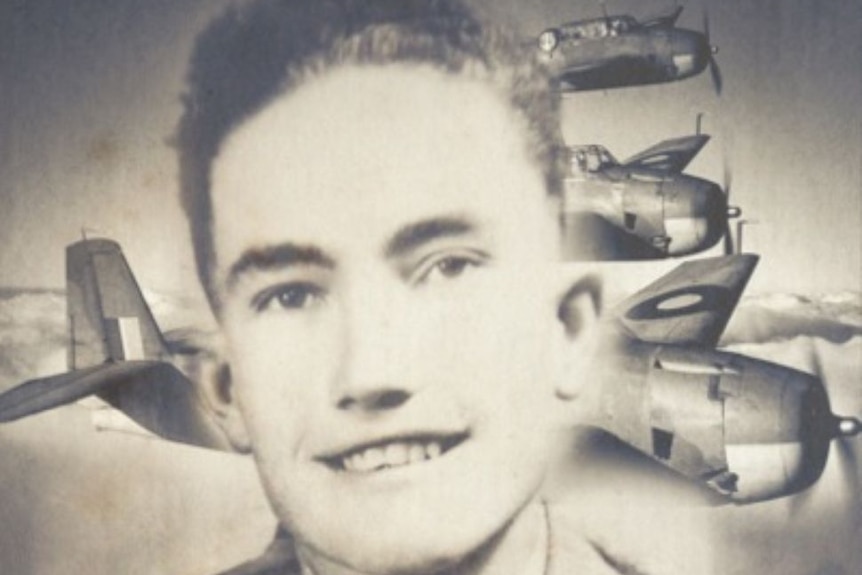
32, 331
34, 339
781, 317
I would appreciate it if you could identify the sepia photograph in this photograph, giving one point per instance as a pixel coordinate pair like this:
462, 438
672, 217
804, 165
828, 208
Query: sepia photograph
430, 287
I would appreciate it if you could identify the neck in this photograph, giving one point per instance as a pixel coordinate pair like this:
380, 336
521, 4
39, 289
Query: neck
521, 547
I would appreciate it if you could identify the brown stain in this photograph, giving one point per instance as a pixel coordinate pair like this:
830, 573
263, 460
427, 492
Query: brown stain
104, 150
101, 500
157, 180
152, 180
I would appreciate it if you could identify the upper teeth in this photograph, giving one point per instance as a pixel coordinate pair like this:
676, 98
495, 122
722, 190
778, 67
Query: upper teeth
391, 455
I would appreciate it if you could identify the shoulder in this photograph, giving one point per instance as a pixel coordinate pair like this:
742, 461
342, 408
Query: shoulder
627, 541
571, 551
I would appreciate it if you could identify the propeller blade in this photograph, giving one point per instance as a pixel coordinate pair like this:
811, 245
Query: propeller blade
801, 501
706, 24
727, 176
728, 234
849, 468
715, 72
817, 367
848, 455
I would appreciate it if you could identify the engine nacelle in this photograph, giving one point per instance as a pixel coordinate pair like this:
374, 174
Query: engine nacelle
695, 214
751, 429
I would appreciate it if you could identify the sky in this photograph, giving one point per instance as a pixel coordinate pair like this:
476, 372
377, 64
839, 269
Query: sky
75, 499
89, 96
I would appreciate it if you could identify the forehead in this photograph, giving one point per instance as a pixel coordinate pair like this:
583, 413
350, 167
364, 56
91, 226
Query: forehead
358, 151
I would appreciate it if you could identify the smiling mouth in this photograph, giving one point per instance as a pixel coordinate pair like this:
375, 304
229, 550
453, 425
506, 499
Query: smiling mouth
393, 453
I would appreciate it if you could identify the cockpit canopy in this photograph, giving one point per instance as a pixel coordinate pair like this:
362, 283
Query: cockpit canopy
590, 158
598, 27
586, 30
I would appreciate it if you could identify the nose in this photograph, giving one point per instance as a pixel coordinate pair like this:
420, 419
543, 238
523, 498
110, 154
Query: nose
371, 375
373, 399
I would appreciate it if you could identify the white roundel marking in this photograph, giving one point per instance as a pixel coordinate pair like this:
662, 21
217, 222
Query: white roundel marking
680, 302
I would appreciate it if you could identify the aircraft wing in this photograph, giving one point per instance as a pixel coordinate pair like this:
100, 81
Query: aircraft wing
689, 306
572, 78
46, 393
153, 393
671, 156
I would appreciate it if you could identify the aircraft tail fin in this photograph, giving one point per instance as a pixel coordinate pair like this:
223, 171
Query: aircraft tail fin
689, 306
108, 318
117, 353
669, 156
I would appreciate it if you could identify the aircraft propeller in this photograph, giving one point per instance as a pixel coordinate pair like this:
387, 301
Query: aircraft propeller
843, 429
714, 70
848, 427
732, 212
840, 429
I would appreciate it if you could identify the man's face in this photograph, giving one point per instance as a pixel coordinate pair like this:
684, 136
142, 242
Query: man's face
383, 254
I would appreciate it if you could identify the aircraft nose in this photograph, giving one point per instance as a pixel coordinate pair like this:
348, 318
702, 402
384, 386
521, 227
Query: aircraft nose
691, 53
695, 212
778, 428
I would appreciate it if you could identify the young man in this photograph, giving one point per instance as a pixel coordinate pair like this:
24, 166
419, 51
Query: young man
373, 192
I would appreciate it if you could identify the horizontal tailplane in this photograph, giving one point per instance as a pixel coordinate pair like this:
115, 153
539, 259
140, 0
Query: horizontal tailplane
152, 393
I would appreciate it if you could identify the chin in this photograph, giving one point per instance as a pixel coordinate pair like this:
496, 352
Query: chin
415, 519
405, 536
396, 555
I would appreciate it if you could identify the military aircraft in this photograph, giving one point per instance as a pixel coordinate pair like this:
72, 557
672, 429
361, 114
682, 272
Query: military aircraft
751, 430
117, 353
747, 429
616, 51
645, 207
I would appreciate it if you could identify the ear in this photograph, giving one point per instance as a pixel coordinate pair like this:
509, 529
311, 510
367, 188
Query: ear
578, 313
218, 388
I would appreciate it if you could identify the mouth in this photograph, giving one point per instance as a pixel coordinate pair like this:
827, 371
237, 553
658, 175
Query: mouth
393, 452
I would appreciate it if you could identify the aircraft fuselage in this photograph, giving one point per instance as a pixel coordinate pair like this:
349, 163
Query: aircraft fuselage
642, 56
749, 429
664, 215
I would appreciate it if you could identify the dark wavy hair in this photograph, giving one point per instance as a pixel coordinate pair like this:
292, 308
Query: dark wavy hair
260, 50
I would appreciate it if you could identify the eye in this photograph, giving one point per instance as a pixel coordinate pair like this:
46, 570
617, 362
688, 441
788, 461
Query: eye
289, 297
451, 267
447, 267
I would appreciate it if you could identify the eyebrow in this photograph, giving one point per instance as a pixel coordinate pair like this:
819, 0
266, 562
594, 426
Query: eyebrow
277, 257
414, 235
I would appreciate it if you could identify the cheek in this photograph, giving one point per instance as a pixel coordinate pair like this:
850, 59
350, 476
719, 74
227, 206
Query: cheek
279, 380
499, 345
279, 353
